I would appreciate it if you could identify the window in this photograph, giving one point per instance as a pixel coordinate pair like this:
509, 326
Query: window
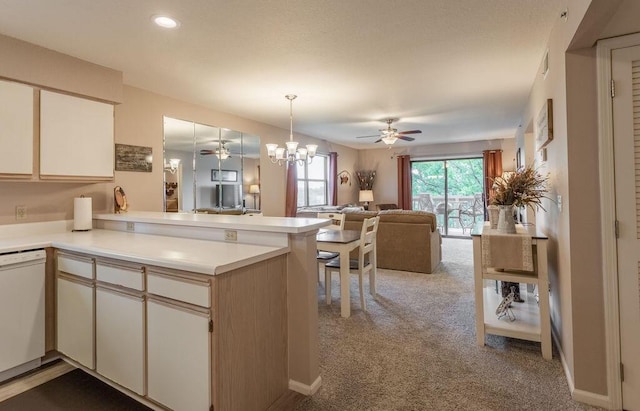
312, 182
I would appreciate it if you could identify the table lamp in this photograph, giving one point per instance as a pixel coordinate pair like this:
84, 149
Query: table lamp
255, 190
364, 197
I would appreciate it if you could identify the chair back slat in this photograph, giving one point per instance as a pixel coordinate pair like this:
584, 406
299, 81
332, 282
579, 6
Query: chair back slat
337, 220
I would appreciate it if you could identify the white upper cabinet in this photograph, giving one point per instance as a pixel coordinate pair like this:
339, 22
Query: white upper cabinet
76, 138
16, 129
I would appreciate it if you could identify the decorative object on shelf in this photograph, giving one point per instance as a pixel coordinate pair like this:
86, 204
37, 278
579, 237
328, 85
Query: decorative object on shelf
172, 165
365, 197
521, 188
506, 221
170, 188
344, 176
255, 190
133, 158
292, 153
494, 211
504, 308
119, 200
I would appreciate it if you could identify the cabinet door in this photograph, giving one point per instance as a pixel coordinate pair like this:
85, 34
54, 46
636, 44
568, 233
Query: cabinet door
21, 315
16, 129
120, 338
179, 360
76, 321
76, 137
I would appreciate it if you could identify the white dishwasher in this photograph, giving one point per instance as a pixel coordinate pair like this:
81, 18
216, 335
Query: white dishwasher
22, 277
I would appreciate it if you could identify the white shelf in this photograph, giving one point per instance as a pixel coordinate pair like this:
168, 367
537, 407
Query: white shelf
532, 318
525, 326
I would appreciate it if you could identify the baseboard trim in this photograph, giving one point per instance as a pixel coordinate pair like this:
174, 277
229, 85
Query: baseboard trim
304, 388
586, 397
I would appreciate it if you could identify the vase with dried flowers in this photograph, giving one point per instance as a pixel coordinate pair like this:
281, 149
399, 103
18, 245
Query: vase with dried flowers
365, 179
525, 187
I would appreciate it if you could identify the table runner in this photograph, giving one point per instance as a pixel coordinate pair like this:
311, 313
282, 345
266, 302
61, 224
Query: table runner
508, 251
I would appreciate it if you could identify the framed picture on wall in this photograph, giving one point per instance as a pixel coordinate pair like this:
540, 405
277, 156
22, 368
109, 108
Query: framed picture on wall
544, 125
224, 175
518, 159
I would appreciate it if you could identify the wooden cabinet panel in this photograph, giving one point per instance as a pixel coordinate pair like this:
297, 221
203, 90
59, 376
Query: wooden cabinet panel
16, 129
178, 357
75, 314
120, 338
76, 137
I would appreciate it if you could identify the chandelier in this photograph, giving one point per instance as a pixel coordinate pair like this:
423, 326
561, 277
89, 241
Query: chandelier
172, 165
292, 153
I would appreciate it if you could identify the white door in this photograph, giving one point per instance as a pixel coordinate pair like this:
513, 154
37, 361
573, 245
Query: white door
626, 120
178, 357
120, 338
76, 321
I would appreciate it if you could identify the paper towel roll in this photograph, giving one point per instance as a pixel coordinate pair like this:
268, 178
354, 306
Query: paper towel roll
82, 214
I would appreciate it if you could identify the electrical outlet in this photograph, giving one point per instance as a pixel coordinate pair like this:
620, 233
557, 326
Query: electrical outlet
230, 235
21, 212
131, 226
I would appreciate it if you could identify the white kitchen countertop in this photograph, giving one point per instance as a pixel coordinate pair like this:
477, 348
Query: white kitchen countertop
237, 222
200, 256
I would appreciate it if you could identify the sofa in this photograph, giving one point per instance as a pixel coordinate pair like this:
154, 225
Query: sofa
406, 240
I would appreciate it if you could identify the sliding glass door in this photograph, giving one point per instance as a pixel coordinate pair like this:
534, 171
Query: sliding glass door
452, 190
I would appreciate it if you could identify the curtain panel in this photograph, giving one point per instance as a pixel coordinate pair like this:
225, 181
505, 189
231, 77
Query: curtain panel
333, 177
404, 182
291, 204
492, 166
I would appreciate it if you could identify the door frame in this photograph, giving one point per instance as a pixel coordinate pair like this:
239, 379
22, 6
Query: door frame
608, 212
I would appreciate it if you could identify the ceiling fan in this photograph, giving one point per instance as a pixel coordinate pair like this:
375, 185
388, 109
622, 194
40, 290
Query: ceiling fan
389, 135
221, 152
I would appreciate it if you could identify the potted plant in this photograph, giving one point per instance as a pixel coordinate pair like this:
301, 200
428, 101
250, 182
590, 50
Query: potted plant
522, 188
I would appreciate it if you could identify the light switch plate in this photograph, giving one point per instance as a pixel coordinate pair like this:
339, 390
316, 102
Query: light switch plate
559, 202
21, 212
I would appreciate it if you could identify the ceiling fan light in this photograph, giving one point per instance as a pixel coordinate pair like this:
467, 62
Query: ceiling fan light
388, 140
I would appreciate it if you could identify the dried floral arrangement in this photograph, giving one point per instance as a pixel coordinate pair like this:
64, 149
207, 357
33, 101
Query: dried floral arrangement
523, 188
365, 179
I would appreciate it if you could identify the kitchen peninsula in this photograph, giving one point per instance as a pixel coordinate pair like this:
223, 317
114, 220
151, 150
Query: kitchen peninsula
250, 280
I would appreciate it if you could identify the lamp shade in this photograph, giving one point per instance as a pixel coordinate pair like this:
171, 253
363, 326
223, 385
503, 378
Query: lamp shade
365, 195
254, 189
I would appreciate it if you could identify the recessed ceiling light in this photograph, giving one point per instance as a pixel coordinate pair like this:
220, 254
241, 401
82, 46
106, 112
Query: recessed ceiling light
166, 22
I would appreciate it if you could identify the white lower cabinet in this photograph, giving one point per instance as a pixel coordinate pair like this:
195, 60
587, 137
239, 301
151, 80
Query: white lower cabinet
178, 356
75, 320
120, 337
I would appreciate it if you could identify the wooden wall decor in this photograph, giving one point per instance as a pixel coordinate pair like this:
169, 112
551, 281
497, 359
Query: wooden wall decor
133, 158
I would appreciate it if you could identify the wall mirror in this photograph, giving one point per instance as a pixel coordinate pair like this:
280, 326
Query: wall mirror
209, 169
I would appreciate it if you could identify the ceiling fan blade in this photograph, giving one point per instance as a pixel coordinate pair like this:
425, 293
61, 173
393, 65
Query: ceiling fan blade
373, 135
378, 140
405, 138
410, 132
206, 152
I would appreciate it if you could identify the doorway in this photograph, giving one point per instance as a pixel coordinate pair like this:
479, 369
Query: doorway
452, 190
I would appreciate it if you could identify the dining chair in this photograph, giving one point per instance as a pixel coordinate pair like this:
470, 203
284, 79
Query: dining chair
337, 223
366, 261
337, 220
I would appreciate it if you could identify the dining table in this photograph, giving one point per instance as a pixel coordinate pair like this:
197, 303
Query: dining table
342, 242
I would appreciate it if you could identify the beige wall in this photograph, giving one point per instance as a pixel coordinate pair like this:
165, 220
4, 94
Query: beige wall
28, 63
572, 160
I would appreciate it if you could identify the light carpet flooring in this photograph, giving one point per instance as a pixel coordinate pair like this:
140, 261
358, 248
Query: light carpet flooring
415, 349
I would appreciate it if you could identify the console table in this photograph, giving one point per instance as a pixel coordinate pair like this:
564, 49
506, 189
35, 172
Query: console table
532, 318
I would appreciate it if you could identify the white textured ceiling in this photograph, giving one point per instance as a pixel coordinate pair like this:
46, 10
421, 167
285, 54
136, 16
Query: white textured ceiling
459, 70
